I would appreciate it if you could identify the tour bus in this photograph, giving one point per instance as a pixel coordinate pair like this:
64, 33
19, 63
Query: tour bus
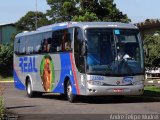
80, 58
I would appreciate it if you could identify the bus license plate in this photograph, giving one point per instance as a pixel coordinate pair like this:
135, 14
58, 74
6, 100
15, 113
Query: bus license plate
118, 90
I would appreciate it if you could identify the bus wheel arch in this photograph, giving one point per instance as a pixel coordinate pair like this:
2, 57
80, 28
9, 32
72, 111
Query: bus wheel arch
65, 84
68, 90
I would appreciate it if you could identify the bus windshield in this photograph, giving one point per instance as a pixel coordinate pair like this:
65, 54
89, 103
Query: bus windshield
114, 52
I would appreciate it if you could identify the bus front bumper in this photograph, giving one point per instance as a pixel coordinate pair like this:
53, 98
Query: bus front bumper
93, 90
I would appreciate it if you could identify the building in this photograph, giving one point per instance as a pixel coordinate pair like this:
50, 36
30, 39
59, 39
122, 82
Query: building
6, 32
149, 27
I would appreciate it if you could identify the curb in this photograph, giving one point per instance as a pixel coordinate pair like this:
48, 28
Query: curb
6, 81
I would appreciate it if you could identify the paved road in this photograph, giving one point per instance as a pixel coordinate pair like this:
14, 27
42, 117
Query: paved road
16, 101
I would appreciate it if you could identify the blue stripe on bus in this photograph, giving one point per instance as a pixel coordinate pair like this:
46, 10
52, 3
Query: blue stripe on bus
59, 27
66, 70
17, 82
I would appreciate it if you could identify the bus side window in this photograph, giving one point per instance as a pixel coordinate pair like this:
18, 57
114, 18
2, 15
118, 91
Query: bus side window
66, 38
53, 42
29, 44
38, 44
22, 47
16, 46
79, 59
68, 44
61, 40
47, 42
45, 45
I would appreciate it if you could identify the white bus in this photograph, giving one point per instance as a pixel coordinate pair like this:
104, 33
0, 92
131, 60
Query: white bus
80, 58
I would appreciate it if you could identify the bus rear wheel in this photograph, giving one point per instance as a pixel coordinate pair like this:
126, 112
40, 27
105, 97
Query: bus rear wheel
70, 96
30, 92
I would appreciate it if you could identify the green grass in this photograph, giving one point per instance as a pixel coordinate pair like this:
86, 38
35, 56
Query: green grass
1, 107
6, 78
152, 91
152, 88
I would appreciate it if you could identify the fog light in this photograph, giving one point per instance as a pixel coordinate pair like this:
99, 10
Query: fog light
90, 90
94, 90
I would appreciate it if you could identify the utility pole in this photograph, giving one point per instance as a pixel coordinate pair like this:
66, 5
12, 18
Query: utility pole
36, 15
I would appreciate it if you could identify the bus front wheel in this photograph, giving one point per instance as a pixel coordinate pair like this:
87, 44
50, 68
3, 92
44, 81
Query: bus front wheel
70, 96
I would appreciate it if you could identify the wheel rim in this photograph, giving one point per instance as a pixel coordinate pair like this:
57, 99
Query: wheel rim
29, 88
69, 91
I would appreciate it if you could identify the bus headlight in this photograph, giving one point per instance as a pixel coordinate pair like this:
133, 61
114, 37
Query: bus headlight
138, 82
98, 83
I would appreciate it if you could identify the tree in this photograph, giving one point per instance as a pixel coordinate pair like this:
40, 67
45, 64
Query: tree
6, 60
86, 17
28, 22
85, 10
152, 43
62, 10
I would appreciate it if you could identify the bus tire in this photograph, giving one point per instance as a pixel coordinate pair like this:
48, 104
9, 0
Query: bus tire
30, 92
70, 96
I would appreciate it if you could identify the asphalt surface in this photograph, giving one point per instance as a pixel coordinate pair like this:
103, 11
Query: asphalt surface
89, 108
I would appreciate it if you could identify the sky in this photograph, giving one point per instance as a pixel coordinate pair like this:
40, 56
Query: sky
12, 10
137, 10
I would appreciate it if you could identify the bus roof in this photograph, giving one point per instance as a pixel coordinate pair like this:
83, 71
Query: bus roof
59, 26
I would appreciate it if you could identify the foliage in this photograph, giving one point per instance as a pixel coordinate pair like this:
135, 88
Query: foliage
1, 107
152, 44
86, 17
1, 101
85, 10
13, 36
28, 22
6, 60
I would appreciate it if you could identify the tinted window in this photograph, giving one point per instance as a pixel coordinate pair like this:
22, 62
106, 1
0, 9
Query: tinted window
79, 59
69, 39
61, 40
38, 41
56, 41
29, 44
22, 47
46, 42
16, 45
